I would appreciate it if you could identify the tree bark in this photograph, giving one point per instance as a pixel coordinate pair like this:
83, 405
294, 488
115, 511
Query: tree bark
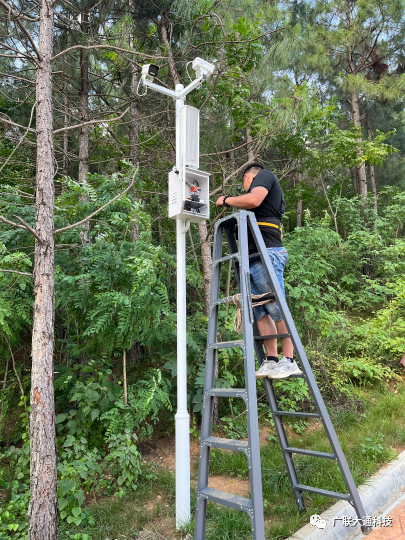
65, 160
249, 140
206, 259
373, 184
84, 161
134, 124
170, 59
4, 387
135, 351
299, 212
43, 507
361, 169
299, 203
124, 373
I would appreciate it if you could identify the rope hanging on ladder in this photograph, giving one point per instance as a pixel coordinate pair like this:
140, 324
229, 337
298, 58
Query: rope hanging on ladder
237, 321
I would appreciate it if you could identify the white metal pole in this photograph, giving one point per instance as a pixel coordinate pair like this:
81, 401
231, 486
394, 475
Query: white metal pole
182, 418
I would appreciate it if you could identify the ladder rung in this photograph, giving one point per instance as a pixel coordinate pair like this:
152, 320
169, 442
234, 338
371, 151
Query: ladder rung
257, 254
226, 444
274, 336
227, 258
309, 453
297, 414
230, 300
265, 296
226, 300
227, 499
324, 492
227, 392
227, 344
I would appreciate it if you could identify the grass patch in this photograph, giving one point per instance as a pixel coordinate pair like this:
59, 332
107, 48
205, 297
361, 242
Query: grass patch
123, 518
368, 438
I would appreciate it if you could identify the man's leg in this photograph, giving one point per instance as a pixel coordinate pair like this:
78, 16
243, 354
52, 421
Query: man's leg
286, 343
267, 327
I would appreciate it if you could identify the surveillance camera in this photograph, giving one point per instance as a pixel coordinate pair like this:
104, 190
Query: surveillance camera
149, 71
202, 68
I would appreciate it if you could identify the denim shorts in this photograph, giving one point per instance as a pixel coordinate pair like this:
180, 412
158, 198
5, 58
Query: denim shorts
260, 284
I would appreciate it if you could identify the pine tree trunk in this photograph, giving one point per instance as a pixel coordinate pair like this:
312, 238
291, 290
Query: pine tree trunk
249, 140
43, 508
206, 259
361, 169
170, 60
373, 184
65, 160
134, 131
135, 351
84, 161
299, 212
373, 188
299, 203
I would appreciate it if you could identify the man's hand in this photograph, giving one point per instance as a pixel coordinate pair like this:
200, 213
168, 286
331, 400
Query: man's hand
220, 200
247, 201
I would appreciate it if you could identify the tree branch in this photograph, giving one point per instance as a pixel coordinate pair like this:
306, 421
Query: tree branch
29, 229
15, 14
15, 373
16, 77
100, 209
16, 125
91, 122
21, 140
220, 63
16, 17
15, 272
11, 223
257, 150
110, 47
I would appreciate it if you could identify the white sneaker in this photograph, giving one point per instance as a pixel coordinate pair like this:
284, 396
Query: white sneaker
266, 368
293, 369
274, 370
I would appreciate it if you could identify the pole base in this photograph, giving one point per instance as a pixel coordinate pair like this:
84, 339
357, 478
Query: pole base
182, 423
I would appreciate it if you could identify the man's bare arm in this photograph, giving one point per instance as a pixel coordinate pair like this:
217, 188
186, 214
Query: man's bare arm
247, 201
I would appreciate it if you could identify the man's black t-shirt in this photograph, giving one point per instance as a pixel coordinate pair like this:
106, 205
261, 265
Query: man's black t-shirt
271, 209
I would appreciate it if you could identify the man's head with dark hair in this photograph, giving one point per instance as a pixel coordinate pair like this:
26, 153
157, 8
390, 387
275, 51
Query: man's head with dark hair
249, 173
254, 167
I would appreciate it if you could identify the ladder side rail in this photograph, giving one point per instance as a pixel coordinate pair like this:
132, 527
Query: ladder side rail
313, 387
233, 248
209, 380
279, 424
255, 477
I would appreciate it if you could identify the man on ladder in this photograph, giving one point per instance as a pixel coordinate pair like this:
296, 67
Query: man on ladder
265, 198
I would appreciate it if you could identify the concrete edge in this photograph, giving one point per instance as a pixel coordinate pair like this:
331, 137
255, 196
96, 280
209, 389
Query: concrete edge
374, 494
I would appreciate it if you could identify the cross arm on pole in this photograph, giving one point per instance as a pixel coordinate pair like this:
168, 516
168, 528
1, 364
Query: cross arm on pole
191, 87
159, 88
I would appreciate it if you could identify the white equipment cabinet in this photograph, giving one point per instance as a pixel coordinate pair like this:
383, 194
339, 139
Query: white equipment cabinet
188, 186
189, 198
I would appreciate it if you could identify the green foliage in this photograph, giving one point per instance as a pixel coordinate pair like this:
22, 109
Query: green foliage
15, 295
373, 449
146, 399
13, 514
283, 90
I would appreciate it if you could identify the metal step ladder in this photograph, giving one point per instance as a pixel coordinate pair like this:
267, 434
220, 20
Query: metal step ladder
250, 344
